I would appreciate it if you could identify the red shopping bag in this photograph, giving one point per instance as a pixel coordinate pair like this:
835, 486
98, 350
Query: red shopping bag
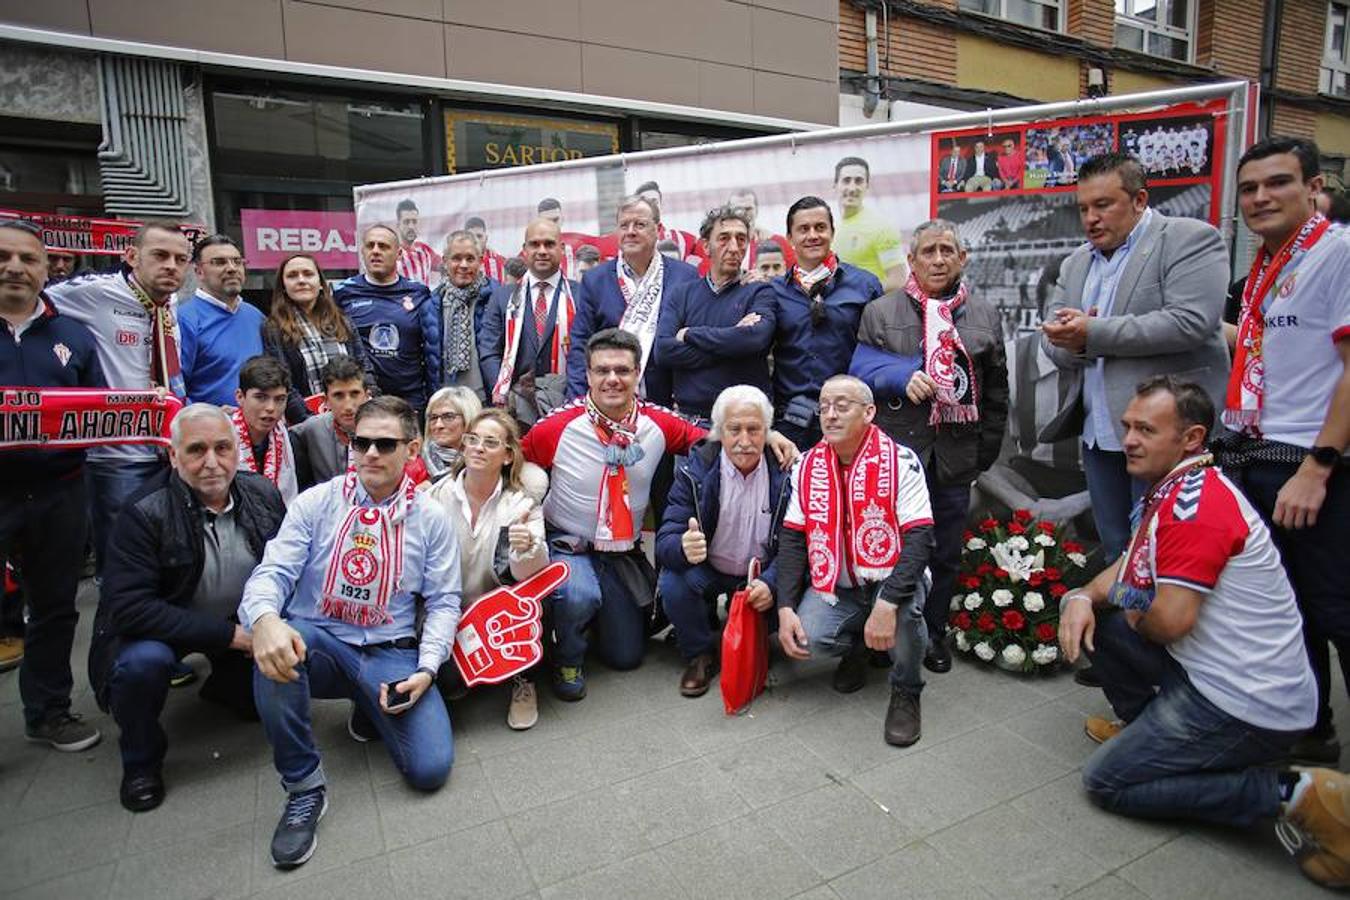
745, 650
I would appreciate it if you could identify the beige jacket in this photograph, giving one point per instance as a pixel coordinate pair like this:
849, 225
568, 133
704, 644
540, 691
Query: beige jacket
484, 551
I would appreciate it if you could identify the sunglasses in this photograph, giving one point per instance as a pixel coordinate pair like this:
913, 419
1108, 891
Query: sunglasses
383, 446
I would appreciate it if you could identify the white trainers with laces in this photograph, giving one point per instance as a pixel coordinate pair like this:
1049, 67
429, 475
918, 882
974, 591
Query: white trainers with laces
523, 712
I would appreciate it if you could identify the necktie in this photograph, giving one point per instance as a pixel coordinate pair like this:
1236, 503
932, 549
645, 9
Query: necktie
541, 309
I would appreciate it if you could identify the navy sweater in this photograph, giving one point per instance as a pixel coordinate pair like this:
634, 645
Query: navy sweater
804, 355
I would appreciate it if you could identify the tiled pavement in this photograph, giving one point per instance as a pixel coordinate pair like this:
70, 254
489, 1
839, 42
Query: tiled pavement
634, 792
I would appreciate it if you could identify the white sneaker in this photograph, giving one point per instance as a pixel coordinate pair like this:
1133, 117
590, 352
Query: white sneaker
523, 712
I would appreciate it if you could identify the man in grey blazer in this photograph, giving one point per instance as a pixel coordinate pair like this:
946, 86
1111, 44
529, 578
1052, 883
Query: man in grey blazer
322, 443
1143, 297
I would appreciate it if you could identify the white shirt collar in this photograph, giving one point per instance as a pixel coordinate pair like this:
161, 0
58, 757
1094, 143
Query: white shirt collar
551, 281
217, 302
39, 309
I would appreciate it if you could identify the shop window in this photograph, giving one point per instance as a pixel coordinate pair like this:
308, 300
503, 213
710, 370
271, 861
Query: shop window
1163, 28
1335, 72
1036, 13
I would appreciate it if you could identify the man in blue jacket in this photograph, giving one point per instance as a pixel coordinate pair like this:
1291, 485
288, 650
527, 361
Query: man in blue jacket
819, 306
715, 332
461, 300
629, 293
725, 508
399, 324
43, 512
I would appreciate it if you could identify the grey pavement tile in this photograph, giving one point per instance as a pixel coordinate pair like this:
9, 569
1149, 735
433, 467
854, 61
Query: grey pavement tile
1108, 888
479, 723
208, 865
224, 801
627, 749
19, 761
1056, 728
644, 875
835, 828
1063, 808
409, 816
41, 849
1193, 867
949, 782
740, 859
849, 735
87, 884
575, 835
1089, 701
544, 773
349, 831
987, 694
680, 800
819, 892
916, 871
1013, 857
770, 769
368, 879
70, 781
478, 863
707, 729
1259, 848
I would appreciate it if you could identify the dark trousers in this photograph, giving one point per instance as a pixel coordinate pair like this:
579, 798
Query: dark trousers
804, 438
1315, 559
685, 595
43, 528
951, 504
139, 684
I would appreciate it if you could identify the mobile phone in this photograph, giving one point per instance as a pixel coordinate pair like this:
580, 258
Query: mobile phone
395, 699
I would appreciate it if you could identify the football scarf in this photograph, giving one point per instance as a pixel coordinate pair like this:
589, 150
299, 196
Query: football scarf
165, 365
615, 528
278, 461
945, 358
1134, 586
516, 309
642, 299
366, 564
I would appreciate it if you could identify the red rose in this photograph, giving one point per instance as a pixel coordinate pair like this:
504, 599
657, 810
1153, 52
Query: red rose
962, 620
1013, 620
1045, 632
1022, 516
988, 525
1058, 590
985, 622
967, 535
1072, 547
1036, 579
969, 582
1016, 528
1001, 574
1046, 528
1053, 574
984, 569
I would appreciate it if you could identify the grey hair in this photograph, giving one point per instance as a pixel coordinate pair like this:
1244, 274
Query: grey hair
462, 399
193, 412
734, 396
939, 226
365, 232
719, 214
461, 235
633, 200
854, 382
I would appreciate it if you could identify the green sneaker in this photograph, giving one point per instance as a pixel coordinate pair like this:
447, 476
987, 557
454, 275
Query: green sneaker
569, 683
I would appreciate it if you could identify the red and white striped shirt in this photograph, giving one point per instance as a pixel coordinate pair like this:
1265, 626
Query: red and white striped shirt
419, 262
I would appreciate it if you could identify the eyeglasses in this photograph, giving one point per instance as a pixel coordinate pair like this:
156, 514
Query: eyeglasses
636, 225
843, 407
383, 446
447, 418
487, 443
606, 371
225, 262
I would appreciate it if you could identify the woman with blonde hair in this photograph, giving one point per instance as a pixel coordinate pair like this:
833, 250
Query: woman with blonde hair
499, 526
449, 412
305, 329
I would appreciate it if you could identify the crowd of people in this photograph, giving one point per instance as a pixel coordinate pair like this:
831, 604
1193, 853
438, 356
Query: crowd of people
357, 468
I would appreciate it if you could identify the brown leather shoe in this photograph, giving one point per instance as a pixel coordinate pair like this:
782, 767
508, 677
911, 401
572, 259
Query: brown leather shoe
698, 675
1317, 830
1100, 729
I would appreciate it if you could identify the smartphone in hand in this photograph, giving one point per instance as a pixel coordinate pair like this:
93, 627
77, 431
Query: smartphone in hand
396, 699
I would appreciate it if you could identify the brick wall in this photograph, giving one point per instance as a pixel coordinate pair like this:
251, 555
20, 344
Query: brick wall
1092, 20
917, 50
1302, 36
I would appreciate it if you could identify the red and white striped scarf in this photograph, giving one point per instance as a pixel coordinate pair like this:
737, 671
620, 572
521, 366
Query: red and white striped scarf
366, 564
278, 461
945, 358
615, 527
821, 274
516, 308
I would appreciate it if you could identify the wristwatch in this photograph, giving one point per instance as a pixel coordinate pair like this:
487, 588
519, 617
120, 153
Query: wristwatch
1325, 456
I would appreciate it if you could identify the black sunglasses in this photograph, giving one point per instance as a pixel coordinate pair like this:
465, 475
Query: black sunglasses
383, 446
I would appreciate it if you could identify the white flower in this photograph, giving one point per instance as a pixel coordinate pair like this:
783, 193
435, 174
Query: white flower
1044, 653
962, 642
973, 601
1032, 601
976, 544
984, 651
1017, 542
1078, 559
1044, 540
1002, 597
956, 603
1014, 655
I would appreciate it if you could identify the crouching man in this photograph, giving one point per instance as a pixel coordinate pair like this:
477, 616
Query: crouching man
332, 610
855, 540
1199, 646
182, 550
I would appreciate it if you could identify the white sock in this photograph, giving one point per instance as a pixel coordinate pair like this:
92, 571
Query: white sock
1304, 782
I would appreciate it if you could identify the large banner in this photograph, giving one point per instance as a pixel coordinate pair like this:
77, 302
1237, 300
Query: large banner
80, 234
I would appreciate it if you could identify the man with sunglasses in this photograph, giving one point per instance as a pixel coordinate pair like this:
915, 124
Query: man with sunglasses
818, 307
332, 610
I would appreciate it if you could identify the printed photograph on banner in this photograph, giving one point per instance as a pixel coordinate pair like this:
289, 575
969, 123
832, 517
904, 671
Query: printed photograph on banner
1054, 153
983, 161
1174, 147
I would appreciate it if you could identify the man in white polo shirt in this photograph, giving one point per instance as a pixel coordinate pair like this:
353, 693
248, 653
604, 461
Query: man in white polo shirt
1198, 643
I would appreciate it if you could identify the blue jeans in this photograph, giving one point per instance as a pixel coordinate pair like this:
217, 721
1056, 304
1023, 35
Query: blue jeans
620, 622
418, 740
138, 685
111, 482
1113, 494
1180, 755
685, 595
837, 630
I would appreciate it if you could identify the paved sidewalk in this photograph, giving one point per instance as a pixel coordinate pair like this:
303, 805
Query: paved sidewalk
633, 793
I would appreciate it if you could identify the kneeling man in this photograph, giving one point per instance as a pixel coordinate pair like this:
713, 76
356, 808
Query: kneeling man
855, 540
1199, 646
178, 559
333, 612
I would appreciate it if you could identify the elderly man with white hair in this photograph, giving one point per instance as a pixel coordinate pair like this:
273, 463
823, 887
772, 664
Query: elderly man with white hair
182, 550
724, 510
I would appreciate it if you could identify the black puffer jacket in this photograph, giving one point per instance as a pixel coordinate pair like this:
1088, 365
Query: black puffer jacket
155, 560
